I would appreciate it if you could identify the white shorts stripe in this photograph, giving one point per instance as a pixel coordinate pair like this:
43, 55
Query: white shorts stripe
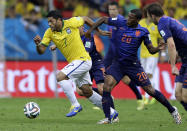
78, 71
75, 68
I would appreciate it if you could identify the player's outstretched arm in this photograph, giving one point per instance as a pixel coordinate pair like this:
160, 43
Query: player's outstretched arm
104, 33
90, 23
39, 47
172, 55
153, 49
96, 24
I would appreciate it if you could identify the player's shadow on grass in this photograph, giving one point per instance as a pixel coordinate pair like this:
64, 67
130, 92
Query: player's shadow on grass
63, 120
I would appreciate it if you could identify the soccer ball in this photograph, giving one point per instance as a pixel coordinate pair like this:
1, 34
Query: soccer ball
31, 110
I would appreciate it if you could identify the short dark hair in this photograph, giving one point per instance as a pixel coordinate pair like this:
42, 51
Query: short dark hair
155, 9
55, 14
138, 13
113, 3
145, 12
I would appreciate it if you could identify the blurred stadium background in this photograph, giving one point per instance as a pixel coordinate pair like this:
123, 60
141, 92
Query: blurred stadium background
24, 73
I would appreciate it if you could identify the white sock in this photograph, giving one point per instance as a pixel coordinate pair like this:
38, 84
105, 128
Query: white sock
96, 99
68, 90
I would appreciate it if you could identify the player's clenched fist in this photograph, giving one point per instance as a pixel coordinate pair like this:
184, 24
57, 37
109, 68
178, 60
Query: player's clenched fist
37, 40
53, 47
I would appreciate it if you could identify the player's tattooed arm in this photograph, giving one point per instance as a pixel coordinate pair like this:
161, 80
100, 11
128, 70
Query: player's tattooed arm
89, 22
39, 46
172, 55
96, 24
171, 50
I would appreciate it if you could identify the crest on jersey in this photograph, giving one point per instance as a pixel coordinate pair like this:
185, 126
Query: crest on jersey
68, 30
152, 28
88, 44
138, 33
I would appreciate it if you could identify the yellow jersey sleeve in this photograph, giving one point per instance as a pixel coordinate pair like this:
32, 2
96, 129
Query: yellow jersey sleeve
75, 22
47, 37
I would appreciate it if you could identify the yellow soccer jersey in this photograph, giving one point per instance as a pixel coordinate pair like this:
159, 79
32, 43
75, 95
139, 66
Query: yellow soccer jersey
154, 34
68, 41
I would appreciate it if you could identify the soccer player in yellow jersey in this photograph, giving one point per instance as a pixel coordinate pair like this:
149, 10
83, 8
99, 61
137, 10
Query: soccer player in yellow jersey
66, 37
149, 62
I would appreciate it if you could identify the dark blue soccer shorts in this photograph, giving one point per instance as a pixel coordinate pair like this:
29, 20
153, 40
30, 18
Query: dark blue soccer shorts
97, 71
182, 77
133, 70
108, 59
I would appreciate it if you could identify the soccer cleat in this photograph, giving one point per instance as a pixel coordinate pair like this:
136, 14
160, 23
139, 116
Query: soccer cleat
140, 105
152, 101
74, 111
116, 120
145, 100
176, 116
104, 121
96, 108
114, 117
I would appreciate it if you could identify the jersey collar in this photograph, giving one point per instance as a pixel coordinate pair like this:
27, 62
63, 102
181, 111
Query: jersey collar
62, 25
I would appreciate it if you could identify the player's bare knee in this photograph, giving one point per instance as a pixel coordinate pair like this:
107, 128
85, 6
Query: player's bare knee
110, 82
79, 92
178, 98
126, 80
58, 78
100, 91
150, 75
178, 95
184, 98
100, 88
61, 76
107, 87
87, 91
149, 89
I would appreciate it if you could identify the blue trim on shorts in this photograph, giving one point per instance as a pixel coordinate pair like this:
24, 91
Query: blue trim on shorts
76, 68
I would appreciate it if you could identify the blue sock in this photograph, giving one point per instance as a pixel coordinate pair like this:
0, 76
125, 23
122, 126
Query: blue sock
95, 89
112, 102
184, 105
106, 103
132, 85
162, 99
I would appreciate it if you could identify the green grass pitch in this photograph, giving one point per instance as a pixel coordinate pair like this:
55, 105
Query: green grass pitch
52, 117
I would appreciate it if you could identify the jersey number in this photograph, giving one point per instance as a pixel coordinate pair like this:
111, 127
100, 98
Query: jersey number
184, 29
126, 38
142, 76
